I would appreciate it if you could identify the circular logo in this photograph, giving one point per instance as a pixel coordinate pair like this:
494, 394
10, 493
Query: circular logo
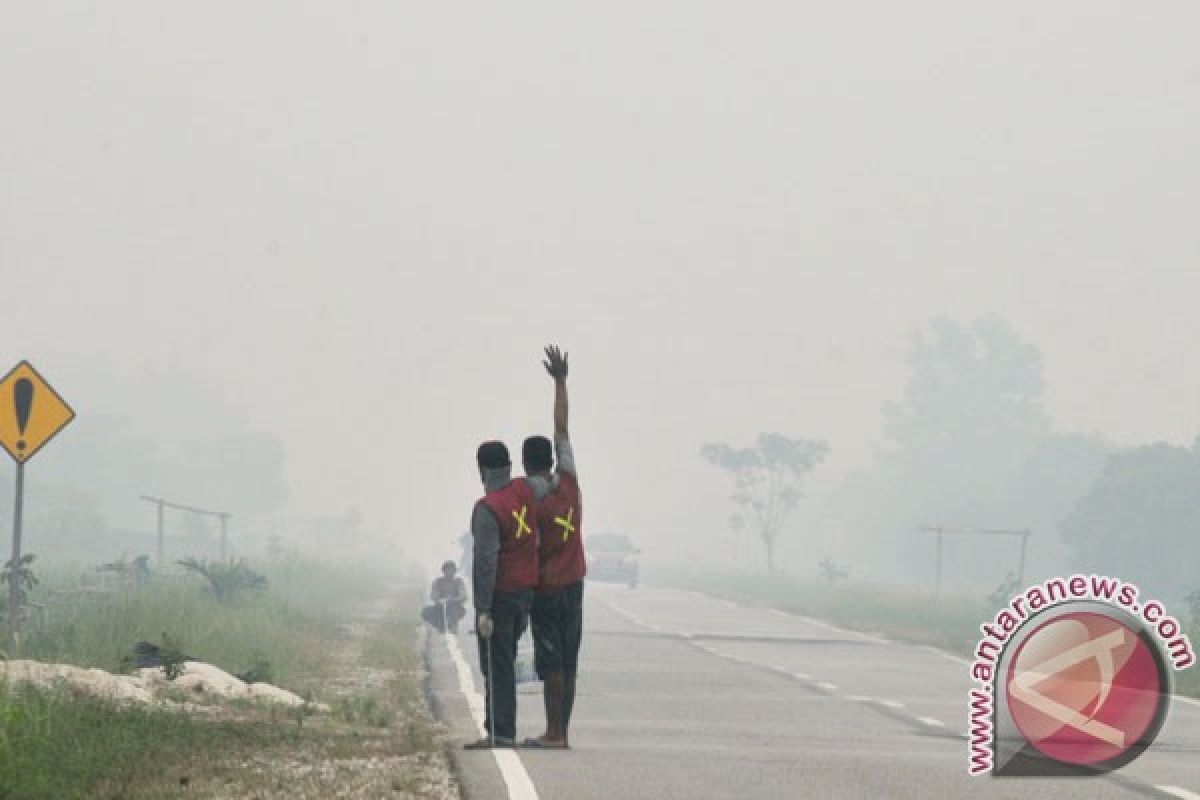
1087, 689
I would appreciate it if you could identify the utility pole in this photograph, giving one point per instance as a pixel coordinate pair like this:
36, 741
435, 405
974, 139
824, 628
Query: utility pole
223, 516
1021, 563
224, 534
941, 534
937, 588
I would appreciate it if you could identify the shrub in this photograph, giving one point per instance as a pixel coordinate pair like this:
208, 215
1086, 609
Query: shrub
227, 580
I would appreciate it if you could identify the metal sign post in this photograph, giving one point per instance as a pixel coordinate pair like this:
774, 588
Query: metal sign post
31, 414
14, 590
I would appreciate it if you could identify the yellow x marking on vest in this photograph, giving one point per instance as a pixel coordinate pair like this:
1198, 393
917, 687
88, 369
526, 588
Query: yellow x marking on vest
522, 526
567, 527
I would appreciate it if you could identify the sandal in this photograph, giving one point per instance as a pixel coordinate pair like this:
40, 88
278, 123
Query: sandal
486, 743
542, 743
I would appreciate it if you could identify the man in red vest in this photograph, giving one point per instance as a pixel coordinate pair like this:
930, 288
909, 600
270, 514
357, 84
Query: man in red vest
504, 575
558, 604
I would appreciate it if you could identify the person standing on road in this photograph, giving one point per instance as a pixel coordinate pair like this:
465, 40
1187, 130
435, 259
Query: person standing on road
505, 572
558, 604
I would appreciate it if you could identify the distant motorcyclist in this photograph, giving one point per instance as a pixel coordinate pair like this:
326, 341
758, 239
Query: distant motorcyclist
447, 590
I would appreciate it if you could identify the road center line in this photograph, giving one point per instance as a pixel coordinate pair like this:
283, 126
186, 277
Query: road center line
520, 787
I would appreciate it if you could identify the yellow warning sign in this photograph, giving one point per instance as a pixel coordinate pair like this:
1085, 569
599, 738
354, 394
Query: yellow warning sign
31, 412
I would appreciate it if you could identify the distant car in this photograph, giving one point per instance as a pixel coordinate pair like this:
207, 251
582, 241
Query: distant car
612, 557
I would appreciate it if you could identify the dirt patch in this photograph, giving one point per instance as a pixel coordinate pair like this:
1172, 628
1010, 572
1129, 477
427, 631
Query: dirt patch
378, 741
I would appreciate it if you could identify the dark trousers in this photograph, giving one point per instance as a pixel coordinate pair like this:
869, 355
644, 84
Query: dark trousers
558, 630
510, 613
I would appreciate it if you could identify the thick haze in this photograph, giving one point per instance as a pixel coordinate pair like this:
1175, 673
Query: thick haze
355, 225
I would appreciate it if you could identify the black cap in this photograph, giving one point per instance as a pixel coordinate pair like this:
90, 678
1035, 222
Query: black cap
537, 453
493, 454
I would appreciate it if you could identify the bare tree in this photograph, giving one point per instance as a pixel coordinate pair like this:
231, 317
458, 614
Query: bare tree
767, 478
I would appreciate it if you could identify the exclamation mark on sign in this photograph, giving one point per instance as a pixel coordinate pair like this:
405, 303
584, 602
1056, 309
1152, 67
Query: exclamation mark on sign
23, 400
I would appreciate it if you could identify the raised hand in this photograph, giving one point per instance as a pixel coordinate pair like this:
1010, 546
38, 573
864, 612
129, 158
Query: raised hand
555, 363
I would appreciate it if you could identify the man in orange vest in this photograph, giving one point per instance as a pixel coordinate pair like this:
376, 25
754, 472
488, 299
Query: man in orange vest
558, 604
504, 574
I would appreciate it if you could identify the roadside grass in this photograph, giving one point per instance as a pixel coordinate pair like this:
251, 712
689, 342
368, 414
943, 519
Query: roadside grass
906, 614
54, 744
59, 744
293, 626
390, 646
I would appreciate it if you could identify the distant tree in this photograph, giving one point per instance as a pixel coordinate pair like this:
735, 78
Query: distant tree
1140, 518
970, 385
767, 478
968, 444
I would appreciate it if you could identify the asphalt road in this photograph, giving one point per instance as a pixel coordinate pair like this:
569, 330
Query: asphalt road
686, 696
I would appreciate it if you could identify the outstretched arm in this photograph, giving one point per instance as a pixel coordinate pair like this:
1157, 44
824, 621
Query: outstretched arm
556, 365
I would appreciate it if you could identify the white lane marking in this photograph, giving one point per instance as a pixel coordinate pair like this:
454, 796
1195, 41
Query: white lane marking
778, 613
935, 723
868, 637
819, 623
944, 654
520, 787
1175, 791
1191, 701
892, 704
626, 614
858, 698
804, 676
829, 687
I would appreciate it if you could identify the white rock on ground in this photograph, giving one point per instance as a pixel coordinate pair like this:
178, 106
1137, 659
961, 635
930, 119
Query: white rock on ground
144, 686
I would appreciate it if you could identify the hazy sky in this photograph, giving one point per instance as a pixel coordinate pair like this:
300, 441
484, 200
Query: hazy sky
357, 223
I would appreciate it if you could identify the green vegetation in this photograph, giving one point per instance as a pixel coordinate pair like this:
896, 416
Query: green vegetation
229, 581
102, 632
21, 574
290, 627
58, 744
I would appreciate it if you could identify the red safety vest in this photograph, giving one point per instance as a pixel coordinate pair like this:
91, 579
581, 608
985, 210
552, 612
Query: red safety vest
517, 562
560, 522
